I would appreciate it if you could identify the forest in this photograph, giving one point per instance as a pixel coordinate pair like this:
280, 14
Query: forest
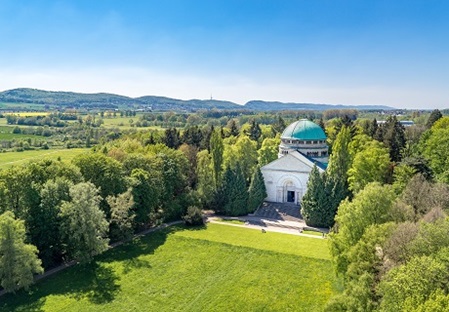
384, 196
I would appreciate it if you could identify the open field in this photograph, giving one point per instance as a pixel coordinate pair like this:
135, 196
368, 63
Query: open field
29, 114
221, 268
9, 159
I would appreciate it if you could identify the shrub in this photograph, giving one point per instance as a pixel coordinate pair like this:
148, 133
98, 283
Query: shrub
194, 216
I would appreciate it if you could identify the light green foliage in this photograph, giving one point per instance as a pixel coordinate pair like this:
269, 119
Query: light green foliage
257, 191
402, 175
243, 152
18, 261
268, 151
411, 284
340, 159
84, 225
206, 184
437, 302
104, 172
435, 151
353, 218
221, 268
365, 261
122, 216
369, 165
216, 152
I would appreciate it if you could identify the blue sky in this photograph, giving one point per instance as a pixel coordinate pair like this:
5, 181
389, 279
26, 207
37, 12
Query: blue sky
352, 52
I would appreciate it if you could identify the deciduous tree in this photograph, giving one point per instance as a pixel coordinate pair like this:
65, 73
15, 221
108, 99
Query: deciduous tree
18, 261
84, 225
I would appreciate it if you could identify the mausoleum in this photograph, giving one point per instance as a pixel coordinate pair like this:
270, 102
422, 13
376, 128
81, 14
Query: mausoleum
303, 145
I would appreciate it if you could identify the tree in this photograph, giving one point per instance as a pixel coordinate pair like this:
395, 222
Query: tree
257, 191
233, 130
194, 216
435, 148
434, 116
146, 197
268, 151
84, 225
18, 261
104, 172
337, 172
394, 138
369, 165
353, 218
314, 208
412, 284
254, 132
244, 153
206, 184
235, 192
172, 139
216, 152
43, 222
279, 125
122, 216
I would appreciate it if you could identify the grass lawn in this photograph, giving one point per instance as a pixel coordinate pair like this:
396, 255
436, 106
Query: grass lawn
9, 159
221, 268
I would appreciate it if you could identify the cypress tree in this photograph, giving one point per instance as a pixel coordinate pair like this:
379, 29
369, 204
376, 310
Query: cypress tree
394, 138
216, 151
235, 192
257, 191
434, 116
233, 128
314, 205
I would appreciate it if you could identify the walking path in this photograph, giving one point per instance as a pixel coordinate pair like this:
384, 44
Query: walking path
73, 262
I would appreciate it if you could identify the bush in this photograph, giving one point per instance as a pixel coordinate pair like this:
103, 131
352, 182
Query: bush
194, 216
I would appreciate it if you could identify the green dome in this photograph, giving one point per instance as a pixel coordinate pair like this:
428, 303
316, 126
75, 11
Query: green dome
303, 130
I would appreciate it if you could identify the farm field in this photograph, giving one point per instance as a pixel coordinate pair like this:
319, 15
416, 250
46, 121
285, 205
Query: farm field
9, 159
221, 268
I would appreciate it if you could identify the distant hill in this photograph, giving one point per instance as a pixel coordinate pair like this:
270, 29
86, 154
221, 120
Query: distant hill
113, 101
274, 106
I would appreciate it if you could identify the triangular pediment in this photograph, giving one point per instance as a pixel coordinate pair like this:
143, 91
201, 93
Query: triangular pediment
292, 162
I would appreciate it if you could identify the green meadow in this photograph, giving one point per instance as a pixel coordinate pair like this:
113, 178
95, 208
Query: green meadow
9, 159
218, 268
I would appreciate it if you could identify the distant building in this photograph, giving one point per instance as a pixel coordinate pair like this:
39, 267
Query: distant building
405, 123
303, 145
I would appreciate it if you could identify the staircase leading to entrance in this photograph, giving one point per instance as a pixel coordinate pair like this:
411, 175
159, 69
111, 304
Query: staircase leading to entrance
279, 211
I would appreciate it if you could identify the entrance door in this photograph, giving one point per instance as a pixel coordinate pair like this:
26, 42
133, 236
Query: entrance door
290, 196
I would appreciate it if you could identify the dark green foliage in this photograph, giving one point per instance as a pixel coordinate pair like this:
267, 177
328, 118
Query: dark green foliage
279, 125
235, 192
394, 138
194, 216
146, 196
233, 128
172, 139
257, 191
43, 222
434, 116
254, 132
192, 136
315, 204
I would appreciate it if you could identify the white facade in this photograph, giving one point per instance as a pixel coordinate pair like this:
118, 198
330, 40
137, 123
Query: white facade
286, 177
